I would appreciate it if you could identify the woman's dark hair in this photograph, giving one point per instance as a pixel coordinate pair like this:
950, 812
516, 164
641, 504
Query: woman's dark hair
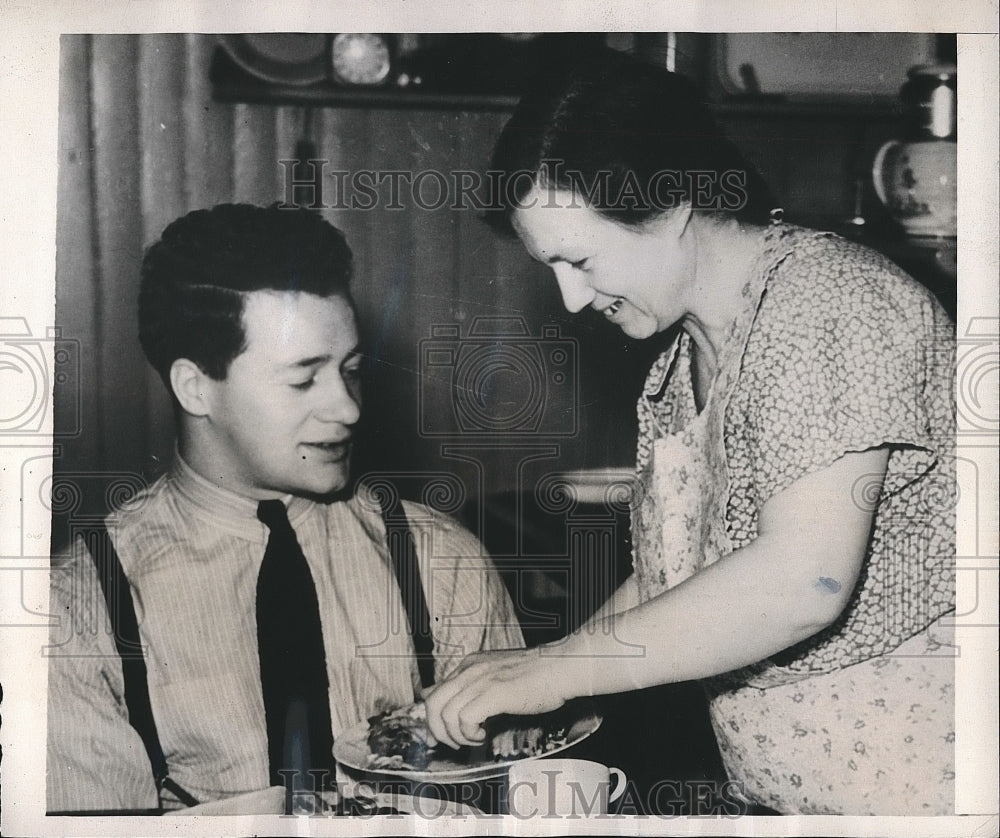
196, 277
630, 138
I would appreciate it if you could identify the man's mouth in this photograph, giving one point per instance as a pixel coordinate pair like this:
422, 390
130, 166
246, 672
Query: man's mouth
333, 450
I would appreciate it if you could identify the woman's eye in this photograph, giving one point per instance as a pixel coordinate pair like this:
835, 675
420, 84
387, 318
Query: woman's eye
352, 373
580, 264
304, 385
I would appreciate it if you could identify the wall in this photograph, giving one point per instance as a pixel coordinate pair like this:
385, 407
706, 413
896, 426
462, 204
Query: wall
142, 142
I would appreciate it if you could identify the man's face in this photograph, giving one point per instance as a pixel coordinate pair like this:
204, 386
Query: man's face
281, 422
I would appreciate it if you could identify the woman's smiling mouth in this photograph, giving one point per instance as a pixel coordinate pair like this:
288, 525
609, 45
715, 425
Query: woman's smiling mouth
614, 308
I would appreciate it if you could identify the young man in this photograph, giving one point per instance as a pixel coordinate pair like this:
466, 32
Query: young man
246, 314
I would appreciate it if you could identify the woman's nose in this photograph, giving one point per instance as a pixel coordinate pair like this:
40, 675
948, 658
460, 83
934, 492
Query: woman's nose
576, 293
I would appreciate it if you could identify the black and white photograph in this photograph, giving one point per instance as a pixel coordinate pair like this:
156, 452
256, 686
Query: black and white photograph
449, 429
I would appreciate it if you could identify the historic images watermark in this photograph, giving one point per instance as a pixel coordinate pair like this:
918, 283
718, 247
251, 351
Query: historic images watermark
498, 379
313, 183
553, 798
491, 383
30, 368
504, 399
977, 363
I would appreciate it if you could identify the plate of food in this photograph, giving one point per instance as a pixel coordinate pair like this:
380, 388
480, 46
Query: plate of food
398, 743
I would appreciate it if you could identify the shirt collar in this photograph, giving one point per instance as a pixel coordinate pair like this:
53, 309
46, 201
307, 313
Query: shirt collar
656, 378
231, 511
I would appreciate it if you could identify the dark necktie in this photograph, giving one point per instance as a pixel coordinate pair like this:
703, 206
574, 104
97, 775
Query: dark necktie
292, 658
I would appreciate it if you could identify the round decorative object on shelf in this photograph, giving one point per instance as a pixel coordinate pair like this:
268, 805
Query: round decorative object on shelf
361, 58
292, 58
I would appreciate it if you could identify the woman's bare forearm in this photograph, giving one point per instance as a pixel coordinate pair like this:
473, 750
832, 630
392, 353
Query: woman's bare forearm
735, 613
794, 579
625, 597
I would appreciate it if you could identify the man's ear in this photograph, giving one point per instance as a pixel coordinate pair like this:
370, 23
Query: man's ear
192, 386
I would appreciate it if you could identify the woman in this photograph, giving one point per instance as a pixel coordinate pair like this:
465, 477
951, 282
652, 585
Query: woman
794, 532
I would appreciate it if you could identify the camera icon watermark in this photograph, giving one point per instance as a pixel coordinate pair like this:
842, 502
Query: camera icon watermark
27, 377
978, 374
498, 380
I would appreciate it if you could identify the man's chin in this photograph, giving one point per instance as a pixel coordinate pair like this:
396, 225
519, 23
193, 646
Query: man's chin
321, 486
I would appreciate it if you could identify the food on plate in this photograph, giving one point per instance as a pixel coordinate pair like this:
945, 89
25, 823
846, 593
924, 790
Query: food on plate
514, 743
400, 739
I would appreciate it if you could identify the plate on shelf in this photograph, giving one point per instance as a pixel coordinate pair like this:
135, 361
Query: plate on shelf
292, 58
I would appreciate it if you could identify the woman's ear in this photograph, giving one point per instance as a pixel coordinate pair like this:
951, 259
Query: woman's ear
681, 217
192, 386
674, 221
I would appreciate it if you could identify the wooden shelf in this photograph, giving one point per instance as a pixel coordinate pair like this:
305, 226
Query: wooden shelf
327, 96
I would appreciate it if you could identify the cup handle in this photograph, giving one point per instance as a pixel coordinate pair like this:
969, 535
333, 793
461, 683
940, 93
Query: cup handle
877, 164
620, 782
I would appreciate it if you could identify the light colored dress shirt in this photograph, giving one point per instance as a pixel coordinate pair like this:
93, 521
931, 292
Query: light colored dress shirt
192, 552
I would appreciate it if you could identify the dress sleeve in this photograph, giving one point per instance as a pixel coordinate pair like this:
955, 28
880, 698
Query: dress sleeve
95, 758
470, 608
847, 354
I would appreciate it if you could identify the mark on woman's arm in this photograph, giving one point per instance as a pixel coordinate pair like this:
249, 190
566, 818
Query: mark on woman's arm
827, 586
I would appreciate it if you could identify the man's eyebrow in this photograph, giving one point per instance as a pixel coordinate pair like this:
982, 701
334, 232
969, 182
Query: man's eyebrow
316, 360
307, 362
556, 256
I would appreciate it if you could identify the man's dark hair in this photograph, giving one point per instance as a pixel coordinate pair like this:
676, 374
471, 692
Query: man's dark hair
618, 130
196, 277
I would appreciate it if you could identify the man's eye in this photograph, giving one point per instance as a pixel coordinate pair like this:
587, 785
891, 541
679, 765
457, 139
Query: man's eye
580, 264
352, 373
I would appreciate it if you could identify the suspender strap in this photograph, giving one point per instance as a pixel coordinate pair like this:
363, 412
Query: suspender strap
121, 609
402, 551
114, 586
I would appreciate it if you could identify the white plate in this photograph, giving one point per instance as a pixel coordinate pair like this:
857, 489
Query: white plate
351, 749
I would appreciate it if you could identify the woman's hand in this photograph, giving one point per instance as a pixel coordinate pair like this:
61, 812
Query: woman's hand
520, 681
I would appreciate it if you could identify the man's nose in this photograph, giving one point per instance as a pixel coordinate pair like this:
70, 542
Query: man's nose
339, 403
576, 293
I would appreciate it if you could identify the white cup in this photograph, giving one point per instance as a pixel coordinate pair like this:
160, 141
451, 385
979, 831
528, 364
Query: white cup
562, 788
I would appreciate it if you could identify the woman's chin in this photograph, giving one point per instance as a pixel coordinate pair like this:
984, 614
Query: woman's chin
641, 329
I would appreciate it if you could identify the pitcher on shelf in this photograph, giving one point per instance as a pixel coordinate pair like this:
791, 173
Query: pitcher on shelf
916, 177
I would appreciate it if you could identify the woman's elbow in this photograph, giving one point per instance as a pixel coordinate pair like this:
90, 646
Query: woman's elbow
820, 606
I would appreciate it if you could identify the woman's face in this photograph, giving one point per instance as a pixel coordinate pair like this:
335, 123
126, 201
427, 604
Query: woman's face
596, 261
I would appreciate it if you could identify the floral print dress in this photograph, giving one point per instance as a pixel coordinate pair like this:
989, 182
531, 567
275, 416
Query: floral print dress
835, 350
